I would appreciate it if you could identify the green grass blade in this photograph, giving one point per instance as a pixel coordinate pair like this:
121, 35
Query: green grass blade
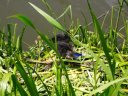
116, 90
105, 86
19, 40
126, 2
18, 85
14, 36
9, 39
102, 40
51, 20
29, 83
126, 28
66, 10
48, 7
84, 34
49, 94
121, 3
107, 71
24, 19
2, 39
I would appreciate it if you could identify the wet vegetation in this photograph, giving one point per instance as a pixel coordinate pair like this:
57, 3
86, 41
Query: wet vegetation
43, 71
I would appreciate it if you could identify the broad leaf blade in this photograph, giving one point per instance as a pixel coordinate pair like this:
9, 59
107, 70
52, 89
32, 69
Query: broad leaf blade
48, 18
105, 86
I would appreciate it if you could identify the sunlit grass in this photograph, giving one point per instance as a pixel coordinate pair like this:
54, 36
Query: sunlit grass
41, 71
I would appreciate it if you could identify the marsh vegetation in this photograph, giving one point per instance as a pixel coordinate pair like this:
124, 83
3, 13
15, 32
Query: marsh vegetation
101, 70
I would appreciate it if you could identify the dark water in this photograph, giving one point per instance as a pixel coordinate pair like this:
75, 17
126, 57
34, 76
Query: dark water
12, 7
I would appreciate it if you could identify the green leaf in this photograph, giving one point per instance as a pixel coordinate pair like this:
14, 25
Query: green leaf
29, 83
66, 10
102, 40
105, 86
9, 39
49, 94
24, 19
51, 20
20, 88
19, 40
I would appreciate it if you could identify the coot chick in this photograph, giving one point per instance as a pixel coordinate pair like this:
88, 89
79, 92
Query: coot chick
65, 46
65, 49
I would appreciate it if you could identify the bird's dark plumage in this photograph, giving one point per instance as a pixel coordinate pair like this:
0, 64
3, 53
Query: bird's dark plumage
62, 37
65, 49
65, 46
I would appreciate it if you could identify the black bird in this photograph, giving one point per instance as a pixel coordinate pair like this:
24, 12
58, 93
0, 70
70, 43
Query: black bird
65, 46
65, 49
62, 37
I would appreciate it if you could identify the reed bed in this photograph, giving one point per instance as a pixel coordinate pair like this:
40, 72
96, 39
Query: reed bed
41, 71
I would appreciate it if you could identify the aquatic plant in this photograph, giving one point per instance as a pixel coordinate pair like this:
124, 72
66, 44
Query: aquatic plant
101, 70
